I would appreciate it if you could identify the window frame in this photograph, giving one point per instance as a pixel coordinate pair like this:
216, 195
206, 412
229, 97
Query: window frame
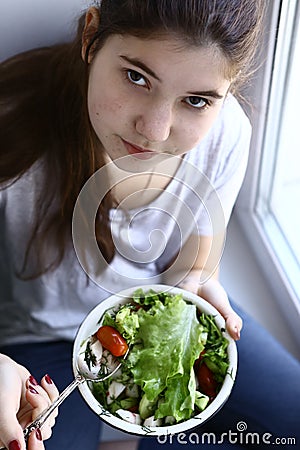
248, 211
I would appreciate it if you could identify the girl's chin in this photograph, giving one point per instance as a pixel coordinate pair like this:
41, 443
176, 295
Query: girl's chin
132, 164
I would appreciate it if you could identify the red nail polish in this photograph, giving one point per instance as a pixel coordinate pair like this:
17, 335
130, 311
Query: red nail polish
32, 390
33, 381
48, 379
14, 445
38, 434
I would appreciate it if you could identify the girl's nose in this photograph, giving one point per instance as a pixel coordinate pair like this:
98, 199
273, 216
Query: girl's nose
155, 122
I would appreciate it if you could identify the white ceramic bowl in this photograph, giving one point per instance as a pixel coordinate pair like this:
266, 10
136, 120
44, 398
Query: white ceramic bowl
90, 325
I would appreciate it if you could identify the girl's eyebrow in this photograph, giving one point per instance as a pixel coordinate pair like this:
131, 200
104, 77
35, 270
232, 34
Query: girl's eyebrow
138, 63
211, 93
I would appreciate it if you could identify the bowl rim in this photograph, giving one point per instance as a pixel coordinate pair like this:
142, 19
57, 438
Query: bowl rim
90, 325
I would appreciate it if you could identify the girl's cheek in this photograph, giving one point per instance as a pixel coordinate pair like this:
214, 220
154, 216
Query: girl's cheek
196, 133
111, 107
100, 112
192, 137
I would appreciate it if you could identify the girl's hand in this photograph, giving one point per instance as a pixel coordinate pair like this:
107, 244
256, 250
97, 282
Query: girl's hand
22, 399
213, 292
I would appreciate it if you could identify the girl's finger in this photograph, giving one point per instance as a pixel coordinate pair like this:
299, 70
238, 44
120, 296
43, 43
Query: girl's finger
39, 401
40, 397
49, 386
12, 378
52, 392
35, 441
46, 389
234, 325
37, 396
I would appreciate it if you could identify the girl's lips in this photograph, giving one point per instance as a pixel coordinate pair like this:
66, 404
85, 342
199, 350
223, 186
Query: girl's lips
138, 152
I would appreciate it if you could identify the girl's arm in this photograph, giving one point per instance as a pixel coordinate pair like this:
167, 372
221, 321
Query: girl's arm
196, 269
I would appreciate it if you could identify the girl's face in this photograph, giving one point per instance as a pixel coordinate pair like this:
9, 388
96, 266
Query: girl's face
147, 97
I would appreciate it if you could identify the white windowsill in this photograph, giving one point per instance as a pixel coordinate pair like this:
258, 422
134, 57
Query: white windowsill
248, 286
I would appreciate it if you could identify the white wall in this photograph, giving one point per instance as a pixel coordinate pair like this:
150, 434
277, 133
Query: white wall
26, 24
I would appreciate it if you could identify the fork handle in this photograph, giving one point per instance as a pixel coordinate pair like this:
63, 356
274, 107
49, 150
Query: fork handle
41, 418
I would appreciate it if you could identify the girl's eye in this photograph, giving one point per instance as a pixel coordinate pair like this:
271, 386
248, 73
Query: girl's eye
136, 78
197, 102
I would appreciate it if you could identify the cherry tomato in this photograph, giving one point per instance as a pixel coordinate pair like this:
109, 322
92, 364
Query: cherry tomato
112, 340
198, 361
207, 383
134, 409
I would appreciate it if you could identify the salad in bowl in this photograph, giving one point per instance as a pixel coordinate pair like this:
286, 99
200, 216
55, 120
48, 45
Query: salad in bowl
180, 363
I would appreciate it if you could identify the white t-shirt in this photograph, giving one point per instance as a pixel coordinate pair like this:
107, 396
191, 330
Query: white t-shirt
52, 306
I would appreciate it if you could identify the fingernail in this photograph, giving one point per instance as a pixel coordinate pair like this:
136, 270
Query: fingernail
14, 445
33, 381
32, 390
48, 379
38, 434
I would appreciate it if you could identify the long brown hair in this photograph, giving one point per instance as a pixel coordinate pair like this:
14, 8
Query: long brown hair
43, 115
43, 105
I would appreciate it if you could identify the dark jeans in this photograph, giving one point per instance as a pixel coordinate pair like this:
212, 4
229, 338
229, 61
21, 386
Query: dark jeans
265, 398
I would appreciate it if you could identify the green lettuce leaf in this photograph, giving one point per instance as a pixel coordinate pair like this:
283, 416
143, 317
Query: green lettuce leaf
162, 364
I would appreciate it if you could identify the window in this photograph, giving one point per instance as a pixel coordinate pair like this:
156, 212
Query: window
269, 204
278, 199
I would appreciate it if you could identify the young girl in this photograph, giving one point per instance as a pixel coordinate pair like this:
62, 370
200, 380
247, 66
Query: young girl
129, 140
